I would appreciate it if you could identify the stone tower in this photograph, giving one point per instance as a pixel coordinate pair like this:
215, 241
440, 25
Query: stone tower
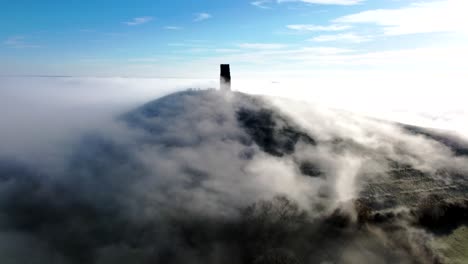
225, 80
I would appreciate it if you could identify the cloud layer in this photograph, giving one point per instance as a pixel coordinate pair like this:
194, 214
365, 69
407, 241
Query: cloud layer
206, 177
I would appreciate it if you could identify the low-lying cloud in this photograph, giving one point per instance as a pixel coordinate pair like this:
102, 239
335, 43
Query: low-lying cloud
208, 177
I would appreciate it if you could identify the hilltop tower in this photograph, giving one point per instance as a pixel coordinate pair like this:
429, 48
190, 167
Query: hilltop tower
225, 80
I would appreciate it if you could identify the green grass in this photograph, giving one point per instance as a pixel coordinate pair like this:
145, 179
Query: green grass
454, 247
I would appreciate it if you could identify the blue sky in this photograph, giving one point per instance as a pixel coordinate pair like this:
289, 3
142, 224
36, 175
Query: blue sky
186, 38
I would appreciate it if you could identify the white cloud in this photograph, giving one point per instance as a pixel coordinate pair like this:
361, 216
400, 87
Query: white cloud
262, 46
172, 28
261, 4
202, 16
309, 27
18, 42
320, 51
138, 21
421, 17
347, 37
296, 62
190, 44
144, 60
325, 2
306, 57
422, 58
226, 50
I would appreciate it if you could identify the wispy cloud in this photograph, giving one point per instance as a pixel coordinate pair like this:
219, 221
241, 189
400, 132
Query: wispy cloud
261, 46
287, 57
325, 2
421, 17
346, 37
144, 60
310, 27
226, 50
202, 16
264, 4
195, 50
18, 42
188, 44
172, 27
138, 21
115, 34
261, 4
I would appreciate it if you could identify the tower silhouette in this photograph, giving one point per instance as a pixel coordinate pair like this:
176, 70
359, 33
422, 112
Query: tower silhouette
225, 80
